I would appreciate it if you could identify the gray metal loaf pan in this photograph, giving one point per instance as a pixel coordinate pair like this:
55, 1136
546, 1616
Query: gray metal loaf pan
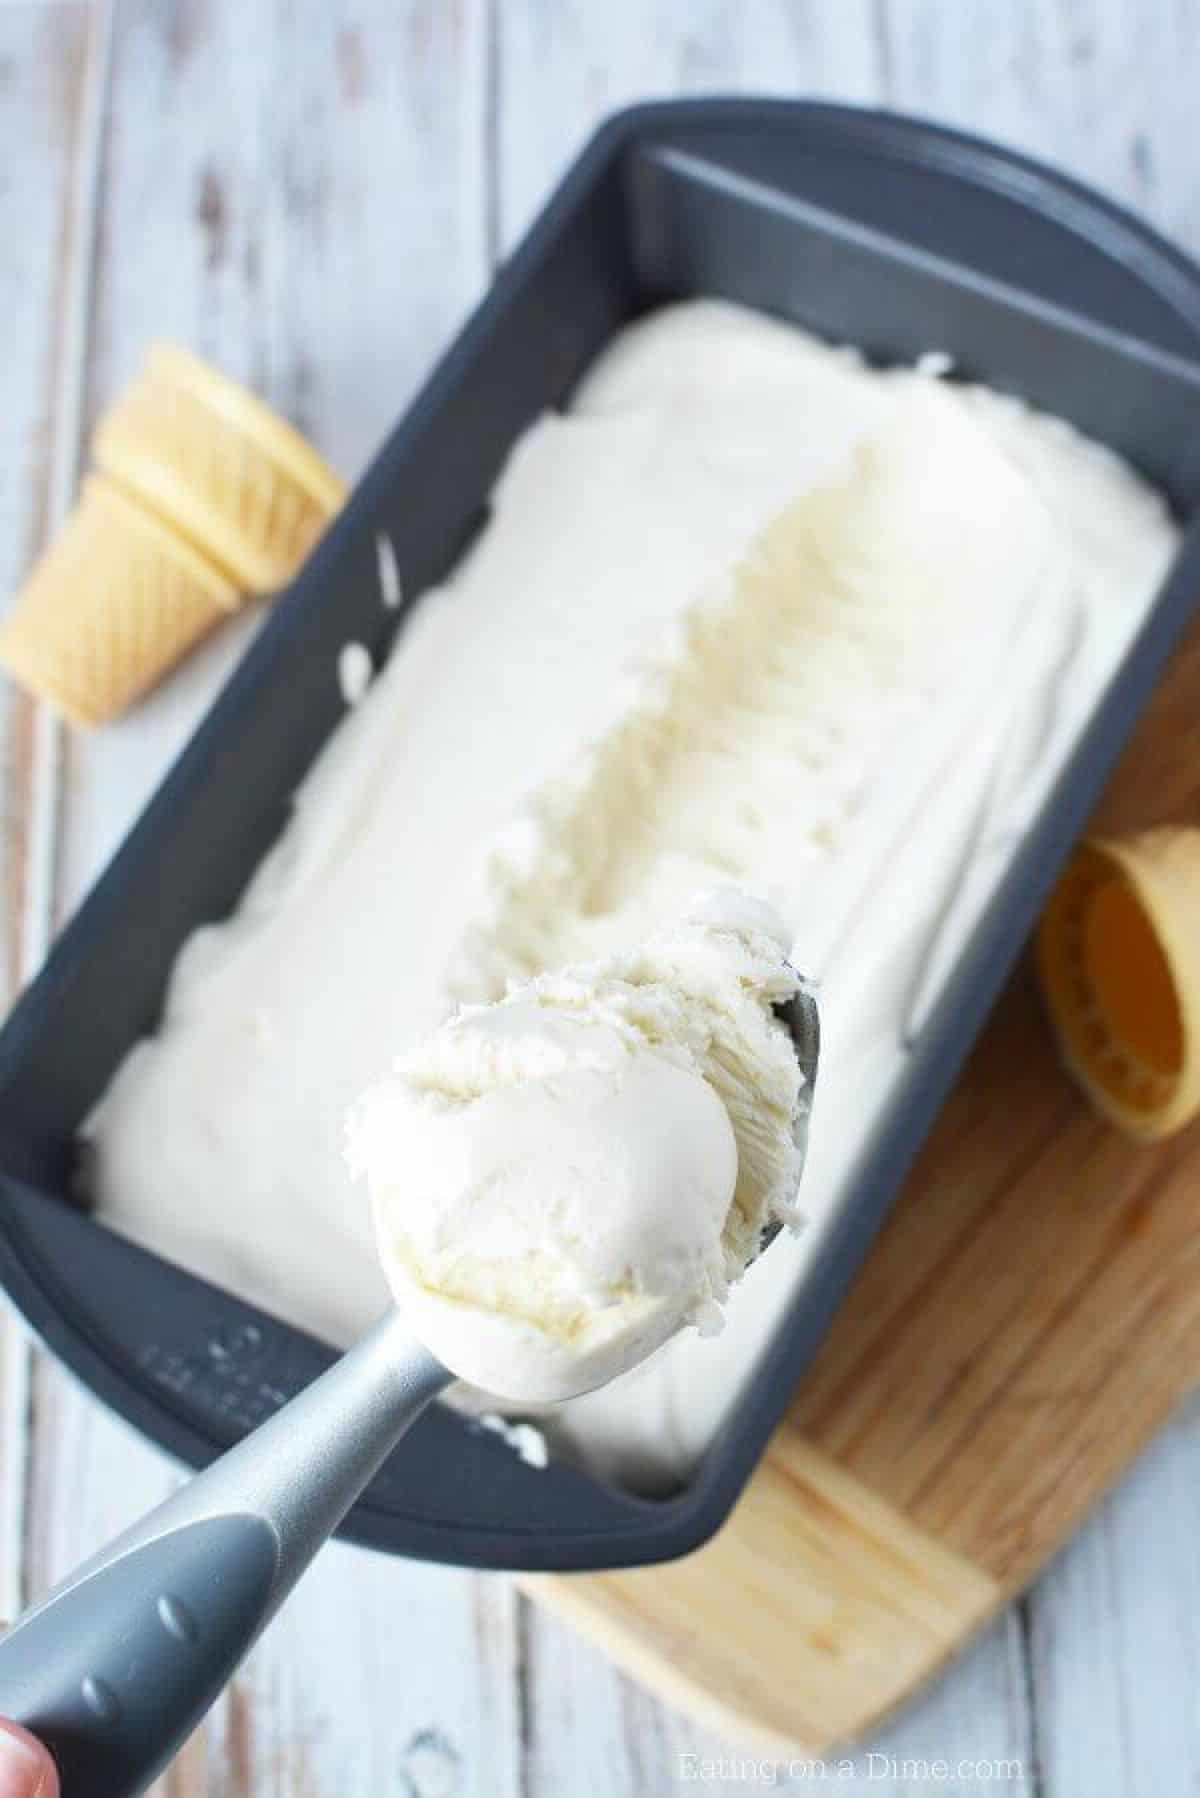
867, 228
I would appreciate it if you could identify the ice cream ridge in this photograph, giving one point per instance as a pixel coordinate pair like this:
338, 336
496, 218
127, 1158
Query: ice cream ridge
563, 1179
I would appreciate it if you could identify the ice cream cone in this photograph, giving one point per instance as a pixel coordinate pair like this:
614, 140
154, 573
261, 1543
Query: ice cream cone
113, 603
220, 467
1119, 956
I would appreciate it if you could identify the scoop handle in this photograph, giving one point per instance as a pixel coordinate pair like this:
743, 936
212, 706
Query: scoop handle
118, 1664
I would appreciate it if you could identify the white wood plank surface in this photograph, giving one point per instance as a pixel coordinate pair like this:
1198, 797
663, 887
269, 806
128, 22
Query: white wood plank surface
1116, 1649
42, 55
1109, 89
583, 61
1105, 88
343, 159
312, 194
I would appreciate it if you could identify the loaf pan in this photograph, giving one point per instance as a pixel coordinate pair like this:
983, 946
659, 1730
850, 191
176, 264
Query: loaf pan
868, 228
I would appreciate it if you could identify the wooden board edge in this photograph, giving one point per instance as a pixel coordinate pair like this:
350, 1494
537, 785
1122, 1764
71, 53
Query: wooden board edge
813, 1574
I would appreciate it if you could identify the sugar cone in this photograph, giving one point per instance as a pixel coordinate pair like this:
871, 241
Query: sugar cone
113, 603
220, 467
1119, 957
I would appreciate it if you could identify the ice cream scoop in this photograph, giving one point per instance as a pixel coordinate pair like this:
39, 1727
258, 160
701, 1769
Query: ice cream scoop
117, 1665
562, 1180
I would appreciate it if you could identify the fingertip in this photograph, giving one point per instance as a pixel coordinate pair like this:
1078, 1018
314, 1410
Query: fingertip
27, 1768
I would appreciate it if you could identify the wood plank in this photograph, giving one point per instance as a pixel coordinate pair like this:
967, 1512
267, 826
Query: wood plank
815, 1569
42, 81
960, 1720
1107, 88
559, 70
616, 1737
686, 48
563, 66
319, 234
86, 40
1116, 1656
947, 1390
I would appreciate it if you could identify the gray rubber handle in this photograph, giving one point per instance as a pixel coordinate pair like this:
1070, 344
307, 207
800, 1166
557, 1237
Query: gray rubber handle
117, 1666
114, 1675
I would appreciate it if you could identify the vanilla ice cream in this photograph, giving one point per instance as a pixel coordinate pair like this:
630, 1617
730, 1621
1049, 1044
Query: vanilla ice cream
747, 611
562, 1180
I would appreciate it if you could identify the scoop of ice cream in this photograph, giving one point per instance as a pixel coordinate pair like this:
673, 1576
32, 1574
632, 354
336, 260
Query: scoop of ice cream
562, 1180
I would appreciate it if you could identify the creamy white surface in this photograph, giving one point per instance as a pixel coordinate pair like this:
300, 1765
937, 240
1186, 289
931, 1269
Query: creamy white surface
392, 893
562, 1180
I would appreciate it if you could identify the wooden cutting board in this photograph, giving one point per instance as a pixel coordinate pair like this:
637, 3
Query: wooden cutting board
1027, 1319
